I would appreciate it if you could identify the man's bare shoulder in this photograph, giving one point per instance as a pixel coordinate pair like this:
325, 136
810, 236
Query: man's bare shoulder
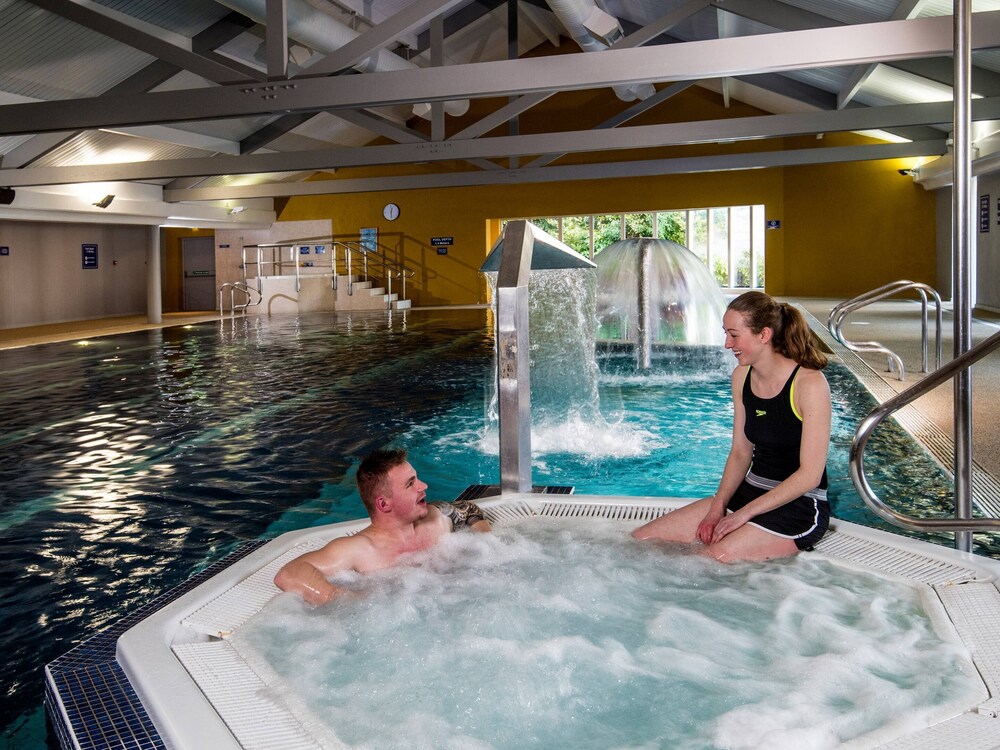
342, 553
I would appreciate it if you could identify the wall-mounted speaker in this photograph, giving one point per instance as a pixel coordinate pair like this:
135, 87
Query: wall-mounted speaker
6, 196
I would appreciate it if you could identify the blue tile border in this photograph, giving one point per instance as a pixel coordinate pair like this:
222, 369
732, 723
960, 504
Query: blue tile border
102, 710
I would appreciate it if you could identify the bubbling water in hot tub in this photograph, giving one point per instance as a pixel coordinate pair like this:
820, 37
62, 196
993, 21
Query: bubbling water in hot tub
568, 634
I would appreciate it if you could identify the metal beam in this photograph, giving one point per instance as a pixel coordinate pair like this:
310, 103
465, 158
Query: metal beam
664, 23
145, 37
622, 117
361, 48
714, 58
906, 9
612, 170
180, 137
502, 115
644, 136
776, 14
276, 39
381, 126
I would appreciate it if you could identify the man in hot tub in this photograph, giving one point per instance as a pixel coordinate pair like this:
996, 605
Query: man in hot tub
401, 522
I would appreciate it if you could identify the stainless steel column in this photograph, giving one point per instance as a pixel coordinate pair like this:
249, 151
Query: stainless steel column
644, 342
961, 228
513, 358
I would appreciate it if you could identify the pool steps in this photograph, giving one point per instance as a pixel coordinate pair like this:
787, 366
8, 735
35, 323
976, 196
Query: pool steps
180, 655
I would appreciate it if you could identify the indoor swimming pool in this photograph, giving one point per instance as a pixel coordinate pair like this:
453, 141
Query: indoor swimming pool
132, 461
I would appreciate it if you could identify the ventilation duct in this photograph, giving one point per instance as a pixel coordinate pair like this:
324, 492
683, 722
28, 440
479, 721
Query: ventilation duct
594, 30
323, 33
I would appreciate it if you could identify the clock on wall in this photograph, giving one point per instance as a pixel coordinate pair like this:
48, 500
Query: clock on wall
391, 211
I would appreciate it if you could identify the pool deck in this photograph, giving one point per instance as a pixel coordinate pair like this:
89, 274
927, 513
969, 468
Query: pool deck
896, 325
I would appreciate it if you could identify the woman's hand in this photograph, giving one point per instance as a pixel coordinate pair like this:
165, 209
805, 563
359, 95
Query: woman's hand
706, 529
728, 525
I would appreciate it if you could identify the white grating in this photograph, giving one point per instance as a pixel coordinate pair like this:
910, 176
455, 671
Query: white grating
975, 610
895, 560
224, 614
601, 510
241, 698
964, 732
508, 511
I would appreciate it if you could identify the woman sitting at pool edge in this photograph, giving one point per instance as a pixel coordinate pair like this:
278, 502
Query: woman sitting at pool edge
771, 500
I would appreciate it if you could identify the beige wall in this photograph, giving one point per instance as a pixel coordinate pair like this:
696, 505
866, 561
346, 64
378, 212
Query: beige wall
43, 281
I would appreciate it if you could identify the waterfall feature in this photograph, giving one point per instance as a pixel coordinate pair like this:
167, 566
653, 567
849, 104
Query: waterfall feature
652, 292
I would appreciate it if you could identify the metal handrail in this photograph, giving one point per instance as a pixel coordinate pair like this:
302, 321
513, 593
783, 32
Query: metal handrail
868, 425
837, 315
391, 268
238, 286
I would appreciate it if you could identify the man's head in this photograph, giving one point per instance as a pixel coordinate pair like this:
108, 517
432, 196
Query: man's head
387, 483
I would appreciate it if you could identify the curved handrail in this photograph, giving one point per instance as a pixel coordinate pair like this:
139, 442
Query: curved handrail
868, 425
238, 286
838, 314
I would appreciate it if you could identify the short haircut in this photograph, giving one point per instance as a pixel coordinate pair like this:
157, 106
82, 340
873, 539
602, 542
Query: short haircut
374, 469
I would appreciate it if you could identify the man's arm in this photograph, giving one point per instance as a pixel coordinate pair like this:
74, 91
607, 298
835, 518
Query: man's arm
307, 574
464, 513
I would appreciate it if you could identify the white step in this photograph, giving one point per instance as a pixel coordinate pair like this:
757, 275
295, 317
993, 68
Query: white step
401, 304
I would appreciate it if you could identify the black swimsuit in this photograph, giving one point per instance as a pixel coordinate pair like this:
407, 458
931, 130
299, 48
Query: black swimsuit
775, 429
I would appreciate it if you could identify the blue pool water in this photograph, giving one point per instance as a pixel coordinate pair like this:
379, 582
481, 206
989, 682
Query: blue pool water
132, 461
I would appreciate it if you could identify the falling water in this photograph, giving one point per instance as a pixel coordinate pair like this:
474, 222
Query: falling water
685, 303
561, 334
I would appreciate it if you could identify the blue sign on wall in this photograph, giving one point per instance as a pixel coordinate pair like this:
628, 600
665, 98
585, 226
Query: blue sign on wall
774, 223
369, 238
89, 256
304, 249
4, 250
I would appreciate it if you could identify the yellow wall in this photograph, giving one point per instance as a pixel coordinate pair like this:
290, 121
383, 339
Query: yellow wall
465, 214
852, 227
845, 228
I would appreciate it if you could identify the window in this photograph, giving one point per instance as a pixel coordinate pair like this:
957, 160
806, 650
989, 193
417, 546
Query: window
729, 240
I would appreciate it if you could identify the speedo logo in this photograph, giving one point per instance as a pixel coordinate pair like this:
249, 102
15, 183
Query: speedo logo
761, 412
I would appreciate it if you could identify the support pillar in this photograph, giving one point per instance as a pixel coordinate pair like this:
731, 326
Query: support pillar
154, 289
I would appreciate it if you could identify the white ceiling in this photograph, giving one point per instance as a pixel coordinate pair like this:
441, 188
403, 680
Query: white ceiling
163, 103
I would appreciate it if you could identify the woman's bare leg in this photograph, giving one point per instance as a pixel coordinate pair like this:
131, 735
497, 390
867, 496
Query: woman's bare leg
679, 525
751, 543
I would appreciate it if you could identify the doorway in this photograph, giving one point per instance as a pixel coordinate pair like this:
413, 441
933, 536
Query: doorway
199, 273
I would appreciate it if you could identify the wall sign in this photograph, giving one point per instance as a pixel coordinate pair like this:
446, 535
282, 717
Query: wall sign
4, 250
319, 249
304, 249
438, 241
984, 213
89, 256
369, 238
442, 250
774, 223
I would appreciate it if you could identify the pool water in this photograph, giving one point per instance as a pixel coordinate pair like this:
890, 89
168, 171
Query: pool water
129, 462
568, 635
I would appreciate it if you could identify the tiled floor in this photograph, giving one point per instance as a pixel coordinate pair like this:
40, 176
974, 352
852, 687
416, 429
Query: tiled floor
11, 338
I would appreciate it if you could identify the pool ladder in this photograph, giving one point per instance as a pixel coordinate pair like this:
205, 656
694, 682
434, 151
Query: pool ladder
238, 286
837, 315
962, 523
